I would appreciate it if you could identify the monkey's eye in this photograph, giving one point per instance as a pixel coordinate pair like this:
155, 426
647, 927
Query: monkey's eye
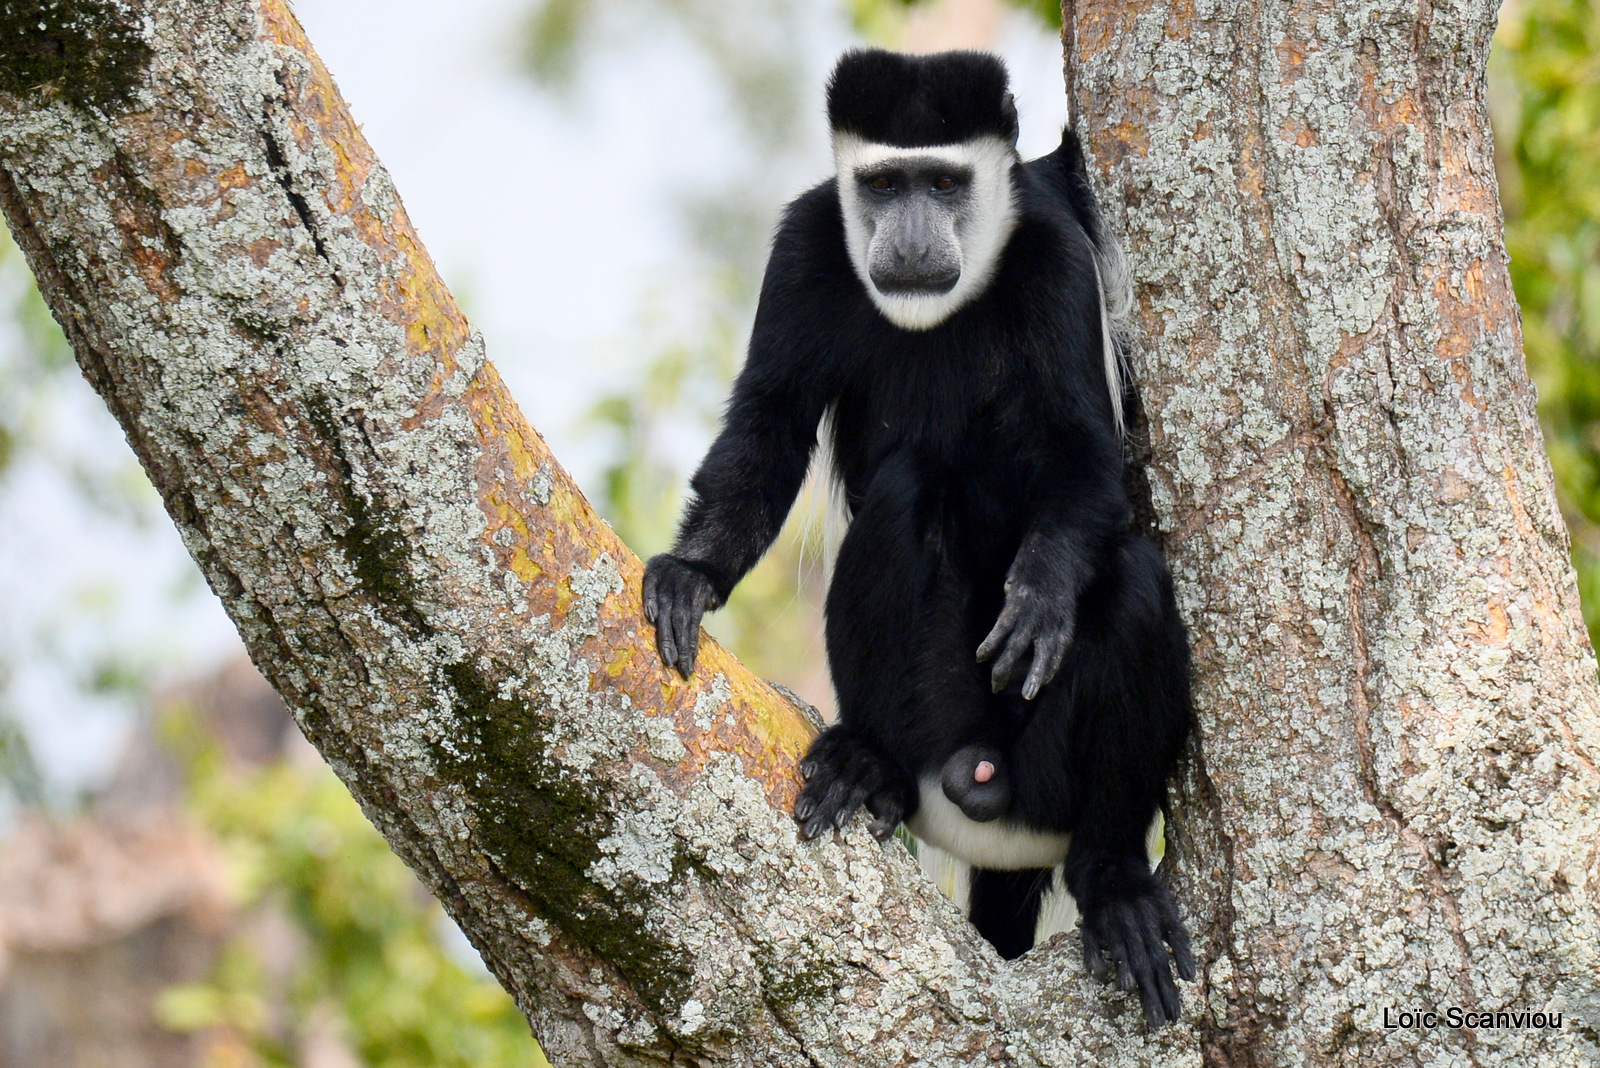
881, 184
945, 184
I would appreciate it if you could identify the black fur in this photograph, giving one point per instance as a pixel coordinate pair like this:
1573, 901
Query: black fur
1007, 903
984, 478
913, 101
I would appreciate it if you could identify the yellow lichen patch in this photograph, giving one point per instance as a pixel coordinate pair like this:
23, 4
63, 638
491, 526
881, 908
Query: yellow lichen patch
502, 515
524, 567
490, 402
775, 733
567, 519
1132, 138
619, 663
434, 325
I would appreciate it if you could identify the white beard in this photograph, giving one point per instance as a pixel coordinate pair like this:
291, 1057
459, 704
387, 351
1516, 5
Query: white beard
992, 218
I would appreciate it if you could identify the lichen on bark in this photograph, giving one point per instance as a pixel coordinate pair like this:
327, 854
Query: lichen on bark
1344, 448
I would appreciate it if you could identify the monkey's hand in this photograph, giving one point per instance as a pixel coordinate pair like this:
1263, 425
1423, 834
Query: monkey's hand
676, 595
1038, 618
844, 772
1131, 925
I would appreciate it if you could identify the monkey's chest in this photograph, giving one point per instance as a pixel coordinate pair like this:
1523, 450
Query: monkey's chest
952, 426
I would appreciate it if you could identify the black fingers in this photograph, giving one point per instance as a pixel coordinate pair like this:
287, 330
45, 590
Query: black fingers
652, 579
1003, 626
1028, 626
1141, 937
1049, 650
842, 774
888, 810
676, 595
1016, 647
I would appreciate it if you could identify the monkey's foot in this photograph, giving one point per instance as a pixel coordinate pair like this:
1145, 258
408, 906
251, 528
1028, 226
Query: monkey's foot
1129, 923
976, 781
844, 772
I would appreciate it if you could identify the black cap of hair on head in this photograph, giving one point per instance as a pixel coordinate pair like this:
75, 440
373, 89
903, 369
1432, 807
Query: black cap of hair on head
917, 101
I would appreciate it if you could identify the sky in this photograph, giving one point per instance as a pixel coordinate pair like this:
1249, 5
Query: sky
556, 218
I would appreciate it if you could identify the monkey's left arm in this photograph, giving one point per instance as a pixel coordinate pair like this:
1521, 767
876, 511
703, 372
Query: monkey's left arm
1076, 503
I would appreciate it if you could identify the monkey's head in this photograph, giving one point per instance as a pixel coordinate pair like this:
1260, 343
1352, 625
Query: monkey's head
924, 147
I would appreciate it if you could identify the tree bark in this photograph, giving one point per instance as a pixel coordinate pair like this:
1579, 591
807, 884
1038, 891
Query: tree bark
1395, 802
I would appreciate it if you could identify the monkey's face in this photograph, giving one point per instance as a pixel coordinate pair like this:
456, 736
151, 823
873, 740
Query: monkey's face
925, 226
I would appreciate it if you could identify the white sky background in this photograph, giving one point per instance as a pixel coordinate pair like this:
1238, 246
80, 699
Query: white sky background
553, 221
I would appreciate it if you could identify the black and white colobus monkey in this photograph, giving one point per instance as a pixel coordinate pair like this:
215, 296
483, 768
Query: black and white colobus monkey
1011, 671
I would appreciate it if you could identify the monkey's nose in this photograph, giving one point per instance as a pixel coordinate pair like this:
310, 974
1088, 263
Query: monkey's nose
910, 255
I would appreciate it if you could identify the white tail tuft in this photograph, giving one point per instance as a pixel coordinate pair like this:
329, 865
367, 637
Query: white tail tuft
836, 508
1116, 318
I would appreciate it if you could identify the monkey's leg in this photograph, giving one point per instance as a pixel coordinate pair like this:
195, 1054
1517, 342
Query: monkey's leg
1005, 907
886, 573
1105, 737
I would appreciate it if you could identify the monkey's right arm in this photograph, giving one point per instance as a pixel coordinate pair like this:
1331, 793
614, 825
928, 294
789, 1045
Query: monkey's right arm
753, 471
740, 497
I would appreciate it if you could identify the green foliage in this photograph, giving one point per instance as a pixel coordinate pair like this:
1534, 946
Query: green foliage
1545, 92
642, 490
1049, 11
881, 21
42, 355
550, 42
368, 959
19, 773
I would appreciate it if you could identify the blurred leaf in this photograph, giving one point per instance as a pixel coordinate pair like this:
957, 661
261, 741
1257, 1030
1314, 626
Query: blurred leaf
881, 21
1545, 102
550, 46
18, 771
1048, 11
367, 950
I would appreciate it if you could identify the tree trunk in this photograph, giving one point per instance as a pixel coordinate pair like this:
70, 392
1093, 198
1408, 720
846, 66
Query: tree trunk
1395, 805
1341, 444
